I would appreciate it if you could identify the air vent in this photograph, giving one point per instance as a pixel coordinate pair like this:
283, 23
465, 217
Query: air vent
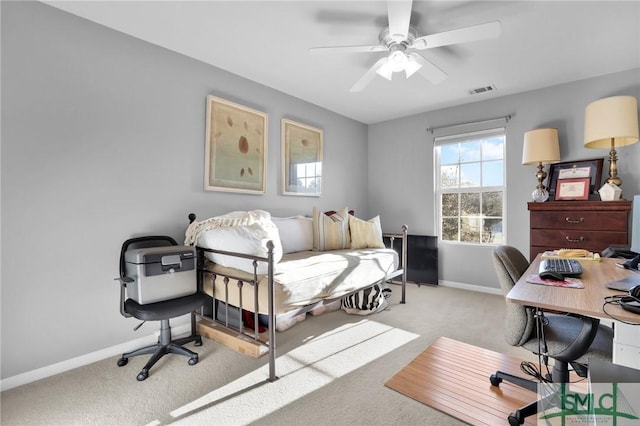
482, 90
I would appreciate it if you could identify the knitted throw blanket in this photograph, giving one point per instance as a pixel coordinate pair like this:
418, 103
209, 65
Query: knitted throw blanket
239, 218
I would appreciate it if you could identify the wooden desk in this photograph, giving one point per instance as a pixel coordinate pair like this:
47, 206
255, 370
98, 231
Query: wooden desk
587, 301
584, 301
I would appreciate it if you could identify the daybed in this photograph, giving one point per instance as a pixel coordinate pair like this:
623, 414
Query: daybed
270, 272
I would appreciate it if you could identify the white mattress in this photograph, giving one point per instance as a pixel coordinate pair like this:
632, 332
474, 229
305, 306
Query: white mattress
307, 277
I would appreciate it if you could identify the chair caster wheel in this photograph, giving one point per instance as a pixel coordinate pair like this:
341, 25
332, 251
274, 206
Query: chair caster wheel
495, 380
142, 375
514, 420
122, 362
198, 341
193, 361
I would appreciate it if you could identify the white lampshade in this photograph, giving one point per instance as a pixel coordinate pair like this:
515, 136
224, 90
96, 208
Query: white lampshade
541, 146
611, 120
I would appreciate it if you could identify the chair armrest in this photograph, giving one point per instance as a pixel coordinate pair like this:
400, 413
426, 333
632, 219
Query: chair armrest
123, 293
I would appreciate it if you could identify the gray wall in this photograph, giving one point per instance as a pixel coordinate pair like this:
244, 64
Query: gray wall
102, 140
406, 194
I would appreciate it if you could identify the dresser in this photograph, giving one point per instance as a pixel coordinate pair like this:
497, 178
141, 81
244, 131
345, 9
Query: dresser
591, 225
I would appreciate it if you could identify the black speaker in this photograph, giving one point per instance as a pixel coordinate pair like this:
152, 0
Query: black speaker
632, 302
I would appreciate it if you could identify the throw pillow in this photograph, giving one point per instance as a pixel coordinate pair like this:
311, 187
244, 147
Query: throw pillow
365, 234
296, 233
330, 232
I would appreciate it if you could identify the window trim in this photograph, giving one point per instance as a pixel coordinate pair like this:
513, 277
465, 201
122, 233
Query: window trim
462, 137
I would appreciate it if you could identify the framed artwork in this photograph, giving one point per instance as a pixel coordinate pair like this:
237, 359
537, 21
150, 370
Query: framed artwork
235, 148
591, 169
301, 159
573, 189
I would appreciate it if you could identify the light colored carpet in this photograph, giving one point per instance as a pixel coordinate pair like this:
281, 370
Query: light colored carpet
331, 368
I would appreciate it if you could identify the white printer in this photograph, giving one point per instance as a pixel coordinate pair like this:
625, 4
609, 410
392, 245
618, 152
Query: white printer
160, 273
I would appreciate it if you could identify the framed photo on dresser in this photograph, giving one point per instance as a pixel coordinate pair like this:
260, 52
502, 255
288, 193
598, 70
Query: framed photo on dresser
580, 169
573, 189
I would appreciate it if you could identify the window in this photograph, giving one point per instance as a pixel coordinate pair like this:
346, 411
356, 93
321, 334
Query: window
470, 187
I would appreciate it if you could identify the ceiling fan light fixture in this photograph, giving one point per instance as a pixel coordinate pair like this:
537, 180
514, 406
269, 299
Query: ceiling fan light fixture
385, 70
411, 67
398, 61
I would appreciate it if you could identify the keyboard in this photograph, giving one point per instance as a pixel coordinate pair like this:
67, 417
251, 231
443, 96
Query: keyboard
566, 267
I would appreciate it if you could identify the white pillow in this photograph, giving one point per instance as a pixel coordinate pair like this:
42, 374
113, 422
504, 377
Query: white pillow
296, 233
330, 232
365, 234
248, 239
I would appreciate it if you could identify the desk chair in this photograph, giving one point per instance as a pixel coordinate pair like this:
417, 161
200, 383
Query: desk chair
161, 311
568, 339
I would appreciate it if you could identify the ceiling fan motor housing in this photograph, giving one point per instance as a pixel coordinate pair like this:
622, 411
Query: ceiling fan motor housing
388, 40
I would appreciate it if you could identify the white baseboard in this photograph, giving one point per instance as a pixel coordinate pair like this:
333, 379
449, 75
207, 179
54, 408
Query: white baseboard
471, 287
70, 364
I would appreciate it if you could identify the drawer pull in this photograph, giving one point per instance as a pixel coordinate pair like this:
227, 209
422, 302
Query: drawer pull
574, 240
569, 220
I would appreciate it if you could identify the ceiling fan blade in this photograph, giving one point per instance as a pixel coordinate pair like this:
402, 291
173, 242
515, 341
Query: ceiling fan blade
368, 76
346, 49
428, 70
399, 18
461, 35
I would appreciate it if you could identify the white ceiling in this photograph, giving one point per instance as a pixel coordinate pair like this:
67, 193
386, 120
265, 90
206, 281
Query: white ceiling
543, 43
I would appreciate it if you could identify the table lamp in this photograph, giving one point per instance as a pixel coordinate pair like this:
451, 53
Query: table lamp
608, 123
541, 147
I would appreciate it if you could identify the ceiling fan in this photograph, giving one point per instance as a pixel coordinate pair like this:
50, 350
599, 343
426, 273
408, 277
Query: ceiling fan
400, 37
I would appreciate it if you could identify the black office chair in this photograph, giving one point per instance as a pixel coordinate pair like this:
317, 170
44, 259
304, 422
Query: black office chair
161, 311
568, 339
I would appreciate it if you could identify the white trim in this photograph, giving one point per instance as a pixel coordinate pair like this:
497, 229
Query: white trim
439, 143
471, 287
82, 360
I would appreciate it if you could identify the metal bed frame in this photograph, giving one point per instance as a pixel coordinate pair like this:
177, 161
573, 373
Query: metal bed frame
255, 335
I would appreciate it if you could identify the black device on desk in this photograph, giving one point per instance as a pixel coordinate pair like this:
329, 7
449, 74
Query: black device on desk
631, 302
564, 267
632, 263
618, 251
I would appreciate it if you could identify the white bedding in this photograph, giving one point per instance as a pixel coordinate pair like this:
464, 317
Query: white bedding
240, 232
303, 278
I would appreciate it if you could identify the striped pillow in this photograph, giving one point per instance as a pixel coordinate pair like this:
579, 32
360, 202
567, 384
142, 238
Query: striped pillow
330, 232
365, 233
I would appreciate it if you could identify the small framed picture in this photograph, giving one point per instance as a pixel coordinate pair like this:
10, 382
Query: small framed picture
573, 189
301, 159
575, 169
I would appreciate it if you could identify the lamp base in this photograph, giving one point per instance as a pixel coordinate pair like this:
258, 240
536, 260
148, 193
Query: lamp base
540, 195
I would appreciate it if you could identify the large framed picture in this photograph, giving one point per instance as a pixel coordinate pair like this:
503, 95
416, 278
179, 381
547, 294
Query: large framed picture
235, 148
591, 169
301, 159
573, 189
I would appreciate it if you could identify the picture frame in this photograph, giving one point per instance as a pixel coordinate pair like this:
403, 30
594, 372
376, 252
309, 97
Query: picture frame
302, 148
235, 148
566, 170
573, 189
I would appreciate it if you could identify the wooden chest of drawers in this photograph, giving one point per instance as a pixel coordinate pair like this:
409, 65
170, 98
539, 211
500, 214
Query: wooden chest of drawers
591, 225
